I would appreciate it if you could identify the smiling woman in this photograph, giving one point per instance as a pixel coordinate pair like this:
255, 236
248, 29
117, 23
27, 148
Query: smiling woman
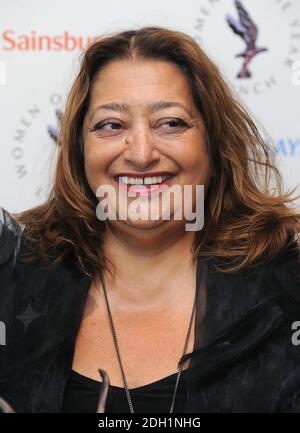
141, 314
153, 138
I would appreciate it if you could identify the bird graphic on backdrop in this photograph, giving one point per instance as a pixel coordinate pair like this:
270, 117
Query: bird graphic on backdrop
247, 30
54, 131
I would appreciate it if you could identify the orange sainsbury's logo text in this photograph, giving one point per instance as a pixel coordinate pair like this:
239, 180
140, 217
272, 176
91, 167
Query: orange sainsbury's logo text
10, 40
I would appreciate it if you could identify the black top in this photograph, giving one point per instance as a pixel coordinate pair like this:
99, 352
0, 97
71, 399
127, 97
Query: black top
245, 358
82, 395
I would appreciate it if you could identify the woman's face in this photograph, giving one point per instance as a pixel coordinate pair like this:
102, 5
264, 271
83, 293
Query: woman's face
142, 124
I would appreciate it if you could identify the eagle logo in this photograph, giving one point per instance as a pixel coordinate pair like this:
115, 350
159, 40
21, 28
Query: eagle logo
247, 30
54, 131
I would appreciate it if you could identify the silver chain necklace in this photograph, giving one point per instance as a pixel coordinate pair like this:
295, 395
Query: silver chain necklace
119, 356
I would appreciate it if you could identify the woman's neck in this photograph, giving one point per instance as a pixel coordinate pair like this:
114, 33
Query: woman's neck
149, 272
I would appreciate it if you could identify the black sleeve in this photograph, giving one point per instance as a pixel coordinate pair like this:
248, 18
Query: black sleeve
287, 278
10, 238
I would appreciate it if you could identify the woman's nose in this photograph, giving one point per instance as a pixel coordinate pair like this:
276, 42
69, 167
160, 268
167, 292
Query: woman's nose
141, 148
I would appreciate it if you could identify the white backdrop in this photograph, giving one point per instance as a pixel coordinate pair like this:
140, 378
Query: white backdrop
40, 42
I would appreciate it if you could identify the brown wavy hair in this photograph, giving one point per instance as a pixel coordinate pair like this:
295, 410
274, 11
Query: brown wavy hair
247, 216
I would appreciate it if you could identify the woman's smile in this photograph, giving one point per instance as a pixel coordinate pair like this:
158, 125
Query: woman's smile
145, 184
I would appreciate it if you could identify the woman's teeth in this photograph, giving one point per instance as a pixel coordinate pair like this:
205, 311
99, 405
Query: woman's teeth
143, 180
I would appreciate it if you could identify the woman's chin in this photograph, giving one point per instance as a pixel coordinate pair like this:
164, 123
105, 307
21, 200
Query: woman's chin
160, 224
145, 224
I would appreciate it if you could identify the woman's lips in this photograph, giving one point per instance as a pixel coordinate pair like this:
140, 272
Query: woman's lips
146, 189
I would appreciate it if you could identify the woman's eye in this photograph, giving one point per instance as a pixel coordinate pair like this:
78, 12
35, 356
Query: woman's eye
176, 123
100, 126
172, 125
